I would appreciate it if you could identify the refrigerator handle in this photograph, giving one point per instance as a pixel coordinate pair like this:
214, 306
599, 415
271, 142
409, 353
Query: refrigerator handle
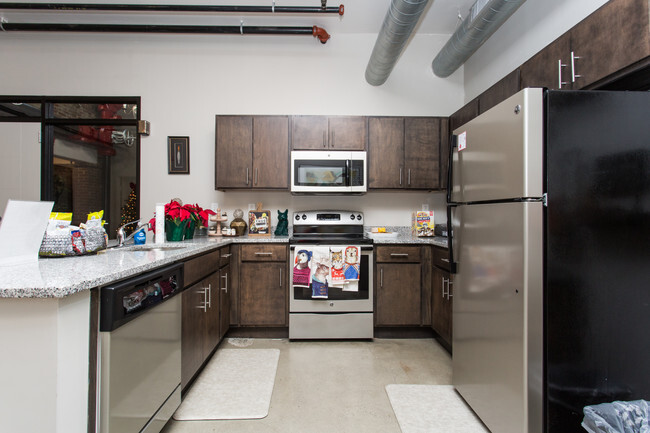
453, 266
452, 146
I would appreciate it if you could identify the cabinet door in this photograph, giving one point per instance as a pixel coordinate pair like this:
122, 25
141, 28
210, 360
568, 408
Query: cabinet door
224, 301
347, 133
500, 91
441, 303
444, 152
271, 152
211, 284
385, 152
398, 294
234, 153
193, 329
613, 37
309, 132
263, 294
549, 67
422, 152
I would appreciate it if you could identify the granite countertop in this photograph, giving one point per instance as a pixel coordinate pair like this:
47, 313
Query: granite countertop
64, 276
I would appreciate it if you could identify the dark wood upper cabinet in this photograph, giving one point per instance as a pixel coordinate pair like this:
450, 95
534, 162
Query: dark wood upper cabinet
444, 151
549, 67
328, 132
252, 152
404, 153
500, 91
309, 132
234, 151
271, 152
347, 133
385, 152
422, 152
614, 37
464, 114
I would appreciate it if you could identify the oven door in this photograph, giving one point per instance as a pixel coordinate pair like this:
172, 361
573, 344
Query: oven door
351, 296
328, 172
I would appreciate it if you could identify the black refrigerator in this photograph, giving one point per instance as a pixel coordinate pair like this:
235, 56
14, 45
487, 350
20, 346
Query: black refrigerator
549, 205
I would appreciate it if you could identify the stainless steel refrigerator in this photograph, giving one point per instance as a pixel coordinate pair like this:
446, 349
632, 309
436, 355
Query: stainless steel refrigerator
549, 205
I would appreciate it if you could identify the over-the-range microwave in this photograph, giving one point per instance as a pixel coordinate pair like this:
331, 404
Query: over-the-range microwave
328, 172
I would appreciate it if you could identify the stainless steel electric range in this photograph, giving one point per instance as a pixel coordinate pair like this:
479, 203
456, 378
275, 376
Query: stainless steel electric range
331, 290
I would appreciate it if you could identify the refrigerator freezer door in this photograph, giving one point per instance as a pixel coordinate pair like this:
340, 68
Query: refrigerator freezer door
501, 151
497, 313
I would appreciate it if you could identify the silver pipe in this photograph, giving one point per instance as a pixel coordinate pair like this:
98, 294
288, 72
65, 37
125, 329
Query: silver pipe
400, 20
485, 17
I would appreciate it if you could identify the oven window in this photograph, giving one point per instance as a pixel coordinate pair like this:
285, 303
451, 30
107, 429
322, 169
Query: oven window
337, 293
320, 173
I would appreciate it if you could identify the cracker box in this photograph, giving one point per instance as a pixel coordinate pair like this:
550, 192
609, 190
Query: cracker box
422, 223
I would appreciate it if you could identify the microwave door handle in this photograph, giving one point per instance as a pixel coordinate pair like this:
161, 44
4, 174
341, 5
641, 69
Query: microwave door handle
348, 172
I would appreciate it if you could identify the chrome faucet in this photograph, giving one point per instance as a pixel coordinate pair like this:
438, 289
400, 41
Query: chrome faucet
122, 238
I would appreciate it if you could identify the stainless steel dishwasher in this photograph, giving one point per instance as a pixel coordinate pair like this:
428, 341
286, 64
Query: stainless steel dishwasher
140, 352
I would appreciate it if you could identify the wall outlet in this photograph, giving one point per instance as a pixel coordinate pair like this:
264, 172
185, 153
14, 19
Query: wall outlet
425, 207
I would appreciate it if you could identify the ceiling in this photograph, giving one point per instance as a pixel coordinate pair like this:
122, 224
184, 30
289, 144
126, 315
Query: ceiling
361, 16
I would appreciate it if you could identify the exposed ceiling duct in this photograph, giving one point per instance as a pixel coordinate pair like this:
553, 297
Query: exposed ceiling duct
398, 25
484, 18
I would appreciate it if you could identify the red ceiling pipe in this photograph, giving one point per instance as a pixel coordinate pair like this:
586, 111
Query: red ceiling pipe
321, 34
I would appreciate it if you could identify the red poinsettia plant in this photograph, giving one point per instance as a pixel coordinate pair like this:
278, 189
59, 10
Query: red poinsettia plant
198, 214
177, 213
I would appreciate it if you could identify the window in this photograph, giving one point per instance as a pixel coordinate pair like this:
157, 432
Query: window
90, 153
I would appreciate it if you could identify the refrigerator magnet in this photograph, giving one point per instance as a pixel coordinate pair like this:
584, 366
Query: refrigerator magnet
462, 140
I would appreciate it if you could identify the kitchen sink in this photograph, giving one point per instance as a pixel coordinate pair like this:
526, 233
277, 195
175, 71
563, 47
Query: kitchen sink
146, 248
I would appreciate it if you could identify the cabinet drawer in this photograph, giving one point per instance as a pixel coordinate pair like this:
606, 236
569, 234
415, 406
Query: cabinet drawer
263, 253
224, 256
441, 258
401, 254
198, 267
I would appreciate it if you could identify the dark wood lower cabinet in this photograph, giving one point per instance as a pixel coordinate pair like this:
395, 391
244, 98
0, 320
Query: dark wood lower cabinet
263, 294
224, 301
398, 294
193, 333
441, 304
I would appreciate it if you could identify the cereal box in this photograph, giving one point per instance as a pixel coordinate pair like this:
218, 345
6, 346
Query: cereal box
422, 223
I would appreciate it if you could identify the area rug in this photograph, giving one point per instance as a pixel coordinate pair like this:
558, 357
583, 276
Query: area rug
235, 384
432, 409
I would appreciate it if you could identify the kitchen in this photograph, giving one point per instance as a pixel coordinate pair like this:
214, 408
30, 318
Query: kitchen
254, 76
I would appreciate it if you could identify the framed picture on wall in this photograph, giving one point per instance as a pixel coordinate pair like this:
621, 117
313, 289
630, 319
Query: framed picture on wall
178, 155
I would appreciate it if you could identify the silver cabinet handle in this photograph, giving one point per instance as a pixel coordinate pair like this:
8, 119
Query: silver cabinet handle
445, 260
209, 296
246, 175
263, 254
256, 174
400, 176
409, 178
226, 287
444, 282
203, 292
324, 139
381, 278
225, 256
560, 65
280, 277
333, 141
399, 254
573, 68
449, 284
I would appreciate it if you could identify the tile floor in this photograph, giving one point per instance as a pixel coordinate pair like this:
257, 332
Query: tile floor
336, 386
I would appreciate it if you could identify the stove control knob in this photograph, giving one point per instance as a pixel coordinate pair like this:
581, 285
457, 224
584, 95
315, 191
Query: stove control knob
351, 216
359, 217
304, 217
297, 217
331, 304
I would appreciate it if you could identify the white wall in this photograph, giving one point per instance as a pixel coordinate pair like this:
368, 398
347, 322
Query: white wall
186, 80
533, 26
